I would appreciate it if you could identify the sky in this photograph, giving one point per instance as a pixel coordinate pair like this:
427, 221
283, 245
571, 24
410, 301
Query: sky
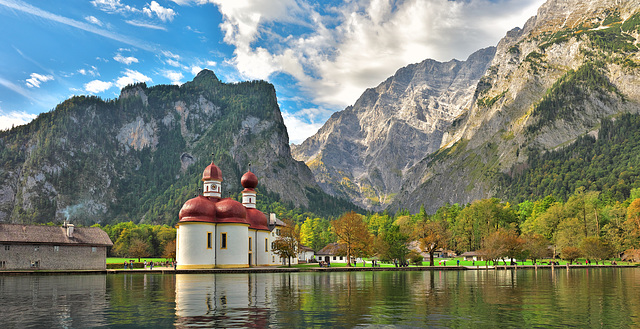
320, 55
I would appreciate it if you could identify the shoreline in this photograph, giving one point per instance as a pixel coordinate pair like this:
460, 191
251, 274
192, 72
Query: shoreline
165, 270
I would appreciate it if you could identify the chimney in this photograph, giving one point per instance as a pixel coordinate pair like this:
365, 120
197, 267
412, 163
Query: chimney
70, 230
272, 219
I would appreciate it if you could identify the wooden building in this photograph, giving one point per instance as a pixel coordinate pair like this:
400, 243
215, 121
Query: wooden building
36, 247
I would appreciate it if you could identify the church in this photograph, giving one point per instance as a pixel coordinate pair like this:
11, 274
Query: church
216, 232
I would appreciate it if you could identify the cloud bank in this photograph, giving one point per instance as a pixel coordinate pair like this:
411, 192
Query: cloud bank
335, 51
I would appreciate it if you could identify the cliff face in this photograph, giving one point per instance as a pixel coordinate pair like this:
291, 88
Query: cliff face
438, 133
573, 64
139, 157
364, 151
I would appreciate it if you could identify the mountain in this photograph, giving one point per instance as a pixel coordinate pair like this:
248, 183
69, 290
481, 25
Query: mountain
363, 152
572, 65
140, 156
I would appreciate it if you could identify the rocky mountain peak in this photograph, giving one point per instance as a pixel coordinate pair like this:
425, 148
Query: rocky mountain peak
363, 151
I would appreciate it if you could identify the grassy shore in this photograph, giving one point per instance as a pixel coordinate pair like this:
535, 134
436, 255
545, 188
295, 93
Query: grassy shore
454, 262
121, 260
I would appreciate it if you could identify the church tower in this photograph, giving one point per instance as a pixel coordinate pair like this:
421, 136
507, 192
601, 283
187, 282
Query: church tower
249, 181
212, 178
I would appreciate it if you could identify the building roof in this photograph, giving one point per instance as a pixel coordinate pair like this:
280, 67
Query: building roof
37, 234
304, 248
331, 249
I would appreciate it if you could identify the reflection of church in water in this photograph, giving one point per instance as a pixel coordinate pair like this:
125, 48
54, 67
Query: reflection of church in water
216, 232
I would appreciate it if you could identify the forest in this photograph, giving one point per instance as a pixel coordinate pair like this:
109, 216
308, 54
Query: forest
581, 200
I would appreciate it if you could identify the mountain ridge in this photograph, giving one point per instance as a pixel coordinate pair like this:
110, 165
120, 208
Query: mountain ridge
570, 66
140, 156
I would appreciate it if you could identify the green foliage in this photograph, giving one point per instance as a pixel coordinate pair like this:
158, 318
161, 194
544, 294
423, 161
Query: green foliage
570, 90
489, 101
610, 164
632, 24
612, 17
104, 181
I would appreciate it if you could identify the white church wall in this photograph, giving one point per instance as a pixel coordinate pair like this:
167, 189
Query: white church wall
193, 246
236, 253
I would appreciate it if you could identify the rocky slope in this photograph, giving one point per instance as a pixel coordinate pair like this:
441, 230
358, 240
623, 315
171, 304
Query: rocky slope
446, 134
573, 64
139, 157
364, 151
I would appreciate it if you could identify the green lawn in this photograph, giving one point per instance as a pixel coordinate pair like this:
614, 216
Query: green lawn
119, 260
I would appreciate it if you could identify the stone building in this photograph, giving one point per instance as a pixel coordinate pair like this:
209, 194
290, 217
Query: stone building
35, 247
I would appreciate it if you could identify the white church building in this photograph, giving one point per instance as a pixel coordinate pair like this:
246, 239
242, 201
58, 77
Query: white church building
216, 232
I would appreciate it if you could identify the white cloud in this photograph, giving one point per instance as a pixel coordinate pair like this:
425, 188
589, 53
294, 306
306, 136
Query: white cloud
93, 20
173, 63
298, 129
169, 54
359, 43
165, 14
125, 60
211, 63
174, 76
29, 9
36, 79
145, 25
15, 88
92, 72
130, 77
195, 70
97, 86
113, 6
14, 118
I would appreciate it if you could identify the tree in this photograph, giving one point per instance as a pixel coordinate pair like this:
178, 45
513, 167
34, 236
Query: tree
353, 233
138, 248
493, 247
392, 244
594, 248
286, 245
170, 250
432, 235
537, 247
501, 243
570, 254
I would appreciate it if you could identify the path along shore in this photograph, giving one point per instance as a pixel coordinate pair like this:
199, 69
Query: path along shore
168, 270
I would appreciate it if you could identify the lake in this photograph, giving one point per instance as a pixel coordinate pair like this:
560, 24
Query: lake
593, 297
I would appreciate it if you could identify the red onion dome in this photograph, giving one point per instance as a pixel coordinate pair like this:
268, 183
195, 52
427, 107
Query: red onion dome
257, 219
212, 172
198, 209
231, 211
249, 180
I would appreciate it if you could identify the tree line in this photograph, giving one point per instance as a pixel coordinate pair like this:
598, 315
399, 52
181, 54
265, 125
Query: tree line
588, 224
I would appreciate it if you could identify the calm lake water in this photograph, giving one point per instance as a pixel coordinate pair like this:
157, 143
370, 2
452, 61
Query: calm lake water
607, 297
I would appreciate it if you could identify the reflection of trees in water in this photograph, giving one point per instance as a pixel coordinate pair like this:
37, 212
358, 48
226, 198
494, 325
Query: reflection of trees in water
308, 299
144, 299
53, 301
594, 297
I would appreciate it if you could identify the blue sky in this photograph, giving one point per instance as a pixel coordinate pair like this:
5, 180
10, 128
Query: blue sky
320, 55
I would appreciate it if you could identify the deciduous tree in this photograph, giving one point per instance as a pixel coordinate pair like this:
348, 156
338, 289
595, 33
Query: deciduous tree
570, 254
286, 245
353, 233
432, 235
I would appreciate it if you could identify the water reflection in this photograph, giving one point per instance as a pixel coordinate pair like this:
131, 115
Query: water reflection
53, 301
524, 298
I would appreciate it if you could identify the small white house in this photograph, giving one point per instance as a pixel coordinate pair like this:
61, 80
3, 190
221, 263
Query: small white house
305, 254
330, 254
